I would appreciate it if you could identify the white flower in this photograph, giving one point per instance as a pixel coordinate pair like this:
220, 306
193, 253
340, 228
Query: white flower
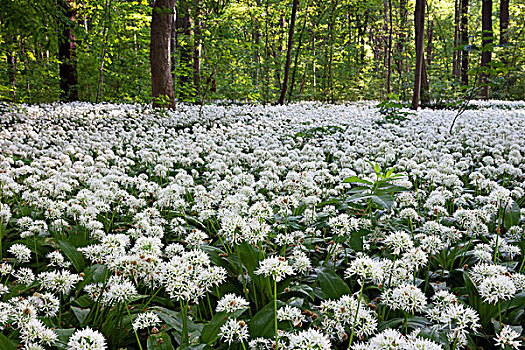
366, 268
497, 288
234, 330
276, 267
21, 252
146, 320
309, 339
58, 281
508, 337
291, 314
230, 303
399, 242
405, 297
86, 339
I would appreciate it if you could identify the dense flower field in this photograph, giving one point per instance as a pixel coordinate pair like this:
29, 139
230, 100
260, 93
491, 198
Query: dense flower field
301, 227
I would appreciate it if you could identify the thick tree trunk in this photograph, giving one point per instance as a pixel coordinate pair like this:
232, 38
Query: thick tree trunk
486, 54
161, 79
419, 25
464, 42
67, 56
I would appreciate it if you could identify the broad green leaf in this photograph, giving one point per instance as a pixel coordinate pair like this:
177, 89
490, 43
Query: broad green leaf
72, 254
81, 314
5, 343
262, 323
160, 341
356, 179
211, 330
512, 215
331, 284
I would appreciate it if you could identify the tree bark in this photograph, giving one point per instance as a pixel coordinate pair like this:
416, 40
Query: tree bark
464, 42
503, 21
419, 26
289, 52
486, 54
67, 55
183, 27
161, 79
197, 46
389, 52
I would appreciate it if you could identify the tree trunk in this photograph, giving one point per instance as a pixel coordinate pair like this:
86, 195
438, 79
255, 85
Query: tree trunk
297, 52
183, 27
464, 42
161, 79
503, 21
389, 52
289, 52
486, 54
197, 46
419, 26
67, 56
456, 55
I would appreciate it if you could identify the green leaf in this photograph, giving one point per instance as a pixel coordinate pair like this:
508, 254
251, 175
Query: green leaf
211, 330
63, 337
72, 254
356, 179
356, 243
160, 341
262, 323
331, 284
512, 215
5, 343
383, 201
81, 314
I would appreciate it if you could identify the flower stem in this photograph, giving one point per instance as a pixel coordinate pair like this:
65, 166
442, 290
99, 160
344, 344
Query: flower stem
275, 313
134, 330
356, 313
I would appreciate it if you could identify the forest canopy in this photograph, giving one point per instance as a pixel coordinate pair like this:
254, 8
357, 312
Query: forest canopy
261, 50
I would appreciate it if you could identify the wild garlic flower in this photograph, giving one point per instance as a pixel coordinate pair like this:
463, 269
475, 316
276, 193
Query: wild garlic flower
406, 297
275, 267
231, 303
497, 288
24, 275
57, 259
146, 320
340, 315
291, 314
309, 339
508, 337
399, 242
86, 339
58, 281
21, 252
366, 269
234, 330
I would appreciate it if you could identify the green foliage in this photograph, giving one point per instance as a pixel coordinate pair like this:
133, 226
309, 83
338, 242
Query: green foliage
392, 109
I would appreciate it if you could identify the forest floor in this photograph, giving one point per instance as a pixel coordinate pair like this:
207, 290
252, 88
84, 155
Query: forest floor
309, 225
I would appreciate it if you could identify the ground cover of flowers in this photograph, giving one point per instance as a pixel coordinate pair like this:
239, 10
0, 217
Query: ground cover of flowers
299, 227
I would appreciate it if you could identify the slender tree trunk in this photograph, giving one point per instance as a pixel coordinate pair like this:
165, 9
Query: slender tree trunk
161, 79
197, 46
183, 27
389, 51
67, 56
464, 42
105, 34
12, 63
503, 21
297, 52
419, 25
486, 54
289, 52
456, 55
173, 49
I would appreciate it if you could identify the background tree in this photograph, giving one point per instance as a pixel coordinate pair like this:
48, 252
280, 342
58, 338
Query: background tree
161, 78
419, 29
